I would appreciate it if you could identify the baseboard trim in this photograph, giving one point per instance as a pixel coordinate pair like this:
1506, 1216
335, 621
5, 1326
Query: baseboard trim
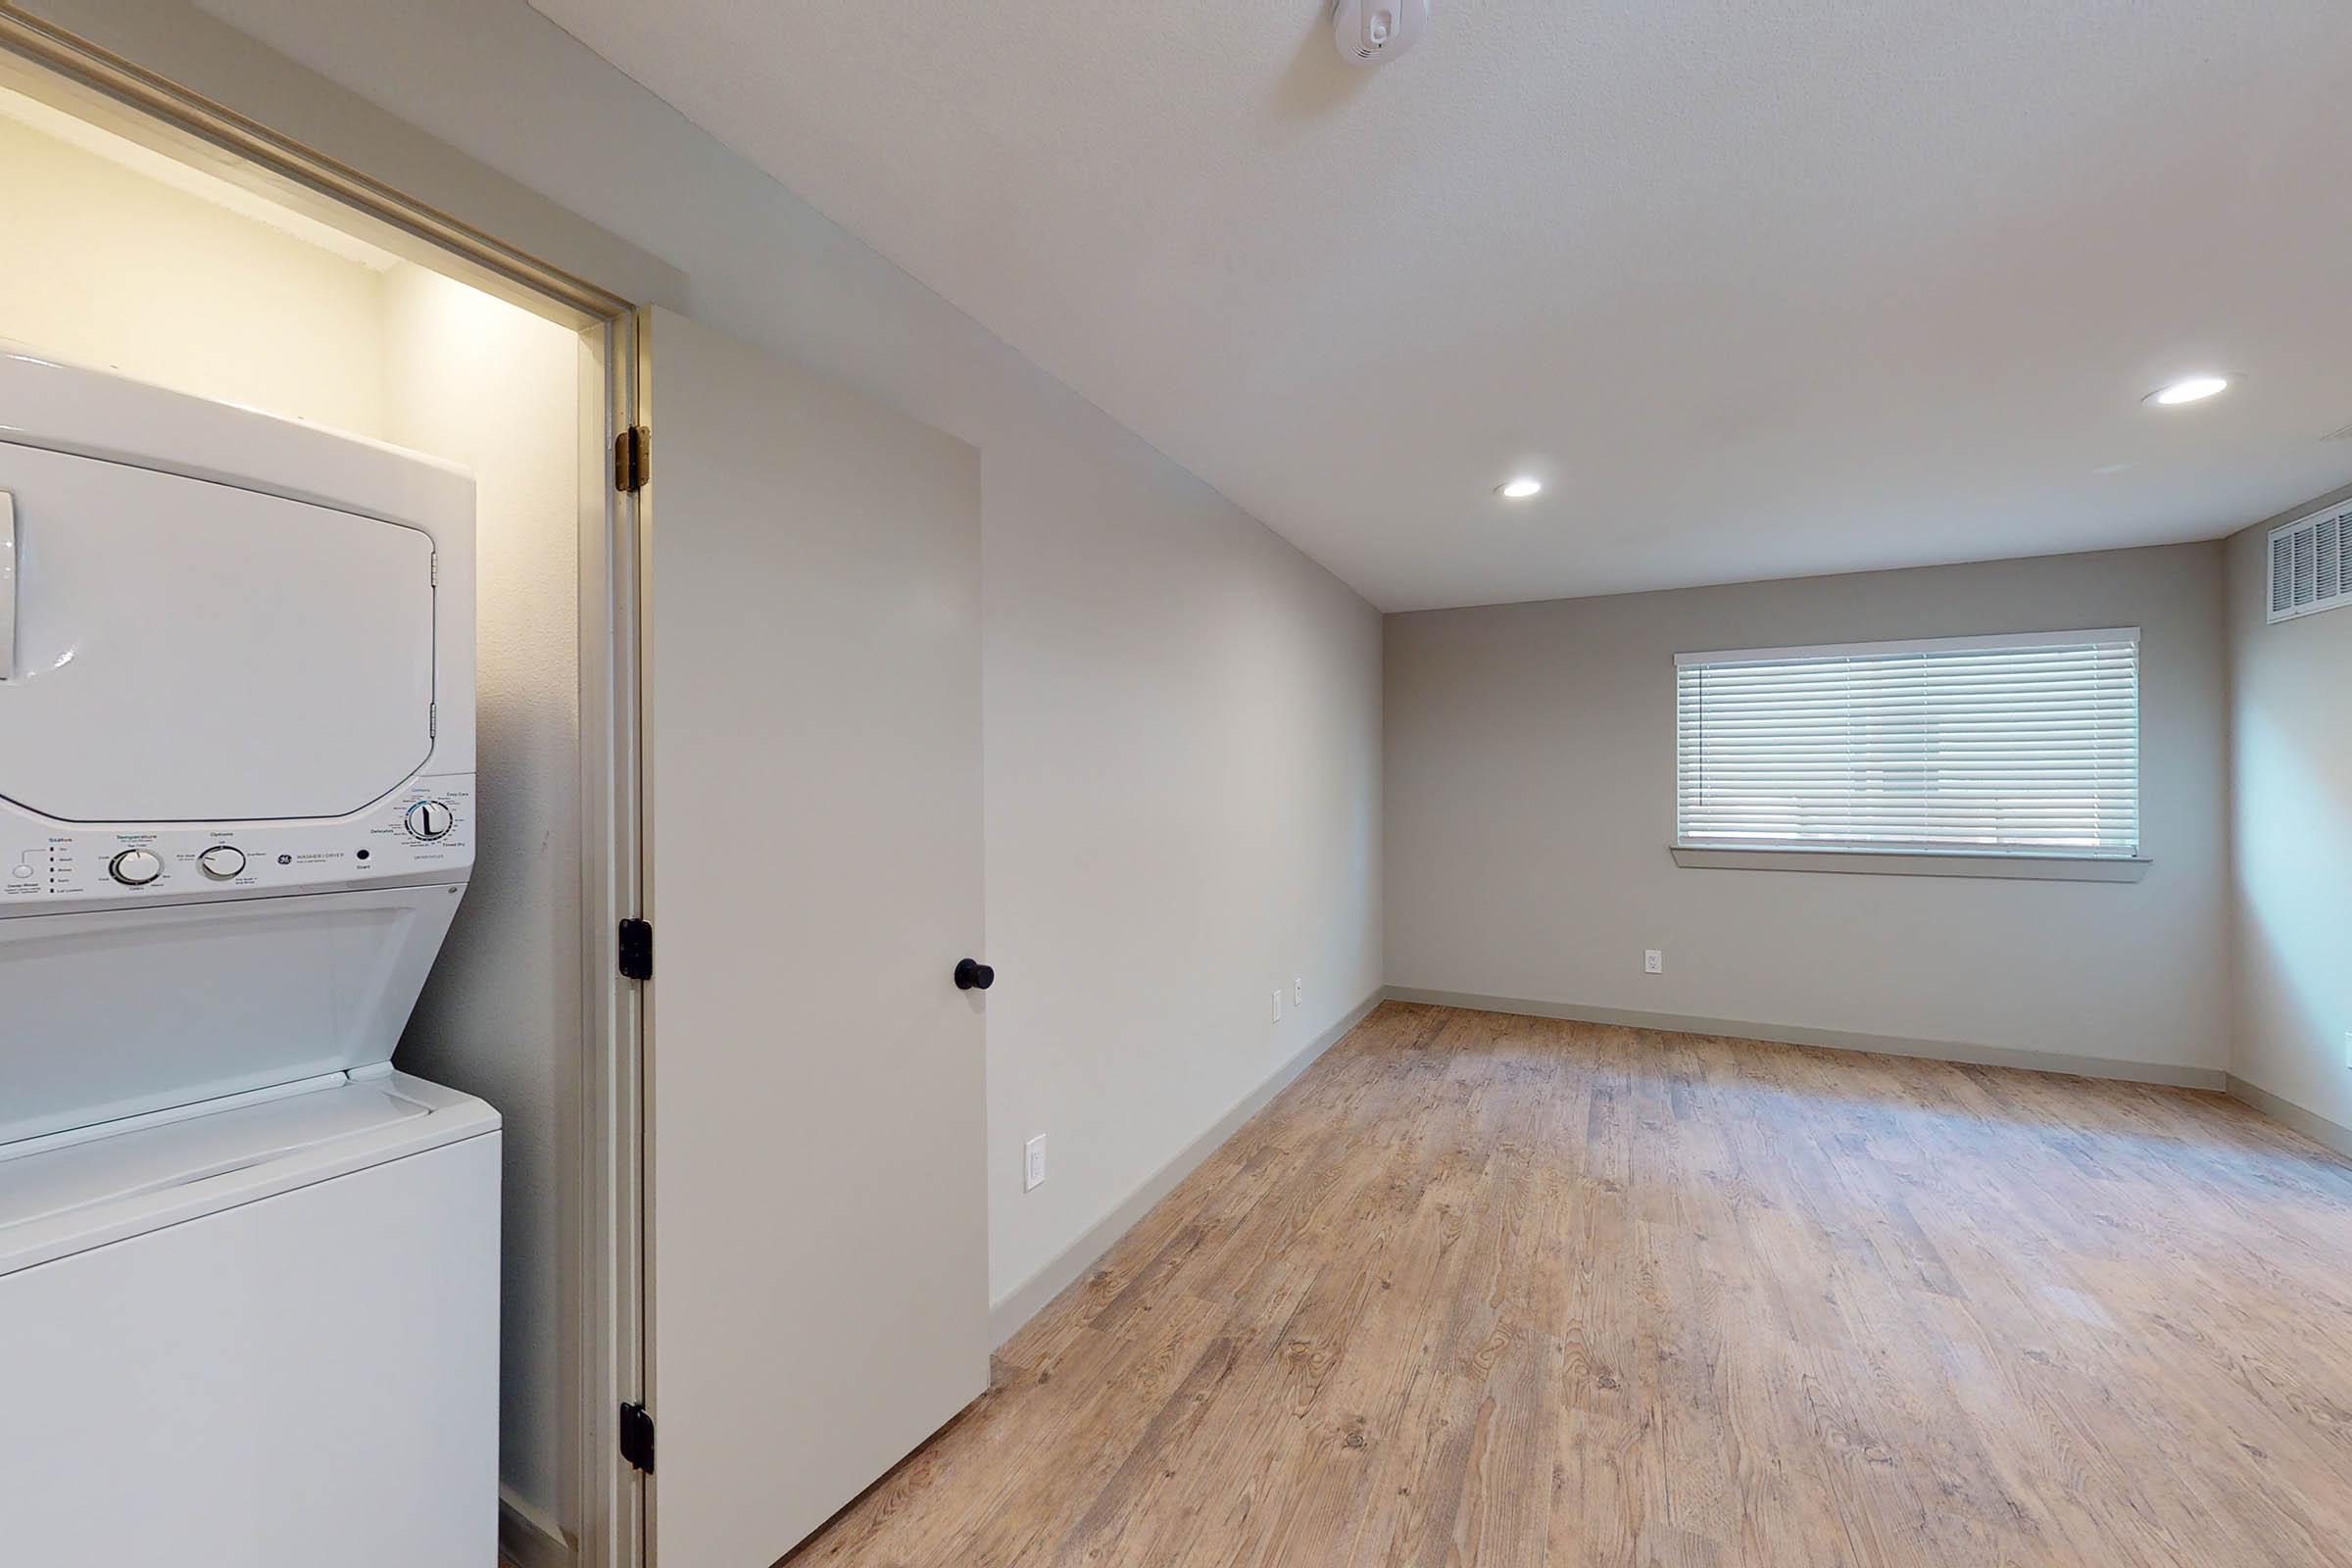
1032, 1296
2139, 1072
528, 1538
2310, 1123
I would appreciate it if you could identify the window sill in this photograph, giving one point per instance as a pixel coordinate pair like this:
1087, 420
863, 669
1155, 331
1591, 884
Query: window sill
1918, 862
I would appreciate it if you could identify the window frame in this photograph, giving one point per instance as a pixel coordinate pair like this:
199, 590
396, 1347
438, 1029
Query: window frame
2004, 863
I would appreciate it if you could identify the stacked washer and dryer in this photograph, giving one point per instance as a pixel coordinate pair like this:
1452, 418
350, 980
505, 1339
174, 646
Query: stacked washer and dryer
248, 1272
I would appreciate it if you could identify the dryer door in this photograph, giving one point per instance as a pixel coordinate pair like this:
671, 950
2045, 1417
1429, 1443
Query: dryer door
187, 651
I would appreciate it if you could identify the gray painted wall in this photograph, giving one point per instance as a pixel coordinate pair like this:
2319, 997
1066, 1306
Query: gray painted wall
1530, 800
2291, 752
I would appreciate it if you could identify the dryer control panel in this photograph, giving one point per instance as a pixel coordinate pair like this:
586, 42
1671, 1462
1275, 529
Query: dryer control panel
424, 832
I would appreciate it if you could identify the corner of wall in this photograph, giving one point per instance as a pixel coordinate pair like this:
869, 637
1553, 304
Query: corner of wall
2290, 745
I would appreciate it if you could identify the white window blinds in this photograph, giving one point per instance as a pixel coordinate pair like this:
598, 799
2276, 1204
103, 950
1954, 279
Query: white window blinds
2019, 744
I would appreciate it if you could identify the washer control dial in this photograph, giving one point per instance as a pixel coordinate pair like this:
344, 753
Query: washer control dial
221, 862
137, 868
430, 819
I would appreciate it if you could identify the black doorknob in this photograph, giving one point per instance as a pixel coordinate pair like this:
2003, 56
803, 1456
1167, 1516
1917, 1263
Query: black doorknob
972, 975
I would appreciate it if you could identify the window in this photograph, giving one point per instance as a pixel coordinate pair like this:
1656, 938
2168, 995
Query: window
2018, 746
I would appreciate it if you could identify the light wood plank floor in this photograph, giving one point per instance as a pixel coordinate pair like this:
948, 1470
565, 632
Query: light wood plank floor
1505, 1291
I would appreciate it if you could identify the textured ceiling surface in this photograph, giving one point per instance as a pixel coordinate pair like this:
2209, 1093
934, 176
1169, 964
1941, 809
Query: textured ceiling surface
1759, 288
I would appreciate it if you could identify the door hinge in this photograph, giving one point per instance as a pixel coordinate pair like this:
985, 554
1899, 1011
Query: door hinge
632, 453
637, 1437
637, 950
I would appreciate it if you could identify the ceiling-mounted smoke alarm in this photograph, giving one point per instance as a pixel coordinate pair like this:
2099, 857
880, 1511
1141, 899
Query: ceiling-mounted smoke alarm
1369, 31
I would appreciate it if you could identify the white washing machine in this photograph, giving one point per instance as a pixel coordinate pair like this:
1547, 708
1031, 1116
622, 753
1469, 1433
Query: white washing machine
248, 1272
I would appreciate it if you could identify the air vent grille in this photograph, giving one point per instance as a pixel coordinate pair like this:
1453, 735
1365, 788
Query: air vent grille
2310, 563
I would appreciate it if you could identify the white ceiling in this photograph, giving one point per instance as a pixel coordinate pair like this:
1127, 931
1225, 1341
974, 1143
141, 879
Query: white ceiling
1762, 289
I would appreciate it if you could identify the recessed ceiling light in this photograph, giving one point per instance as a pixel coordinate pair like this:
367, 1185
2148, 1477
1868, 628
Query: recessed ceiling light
2188, 390
1519, 489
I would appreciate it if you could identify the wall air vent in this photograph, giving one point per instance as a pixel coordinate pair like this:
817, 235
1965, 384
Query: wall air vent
2310, 563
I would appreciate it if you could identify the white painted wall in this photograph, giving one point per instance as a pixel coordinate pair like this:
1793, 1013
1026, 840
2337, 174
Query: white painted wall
1530, 800
1181, 711
109, 267
480, 382
2290, 749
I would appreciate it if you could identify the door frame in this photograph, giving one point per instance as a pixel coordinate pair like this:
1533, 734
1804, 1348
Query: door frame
601, 1257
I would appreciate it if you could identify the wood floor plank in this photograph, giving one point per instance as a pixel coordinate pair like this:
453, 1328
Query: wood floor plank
1531, 1294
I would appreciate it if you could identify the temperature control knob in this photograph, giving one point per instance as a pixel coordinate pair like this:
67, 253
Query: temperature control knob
221, 862
430, 819
136, 867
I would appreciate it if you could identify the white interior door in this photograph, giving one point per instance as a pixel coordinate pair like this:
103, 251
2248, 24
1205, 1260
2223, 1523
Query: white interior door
816, 1247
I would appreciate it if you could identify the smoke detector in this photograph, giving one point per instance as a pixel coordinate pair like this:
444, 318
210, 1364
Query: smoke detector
1369, 31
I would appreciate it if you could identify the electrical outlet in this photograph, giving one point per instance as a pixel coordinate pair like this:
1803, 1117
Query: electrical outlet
1278, 1004
1299, 992
1653, 962
1033, 1165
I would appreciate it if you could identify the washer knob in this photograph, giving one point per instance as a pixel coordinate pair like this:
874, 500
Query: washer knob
221, 862
136, 867
430, 819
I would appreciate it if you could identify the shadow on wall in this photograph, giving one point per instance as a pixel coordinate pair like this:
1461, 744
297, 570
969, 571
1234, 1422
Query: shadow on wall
1317, 80
2294, 937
